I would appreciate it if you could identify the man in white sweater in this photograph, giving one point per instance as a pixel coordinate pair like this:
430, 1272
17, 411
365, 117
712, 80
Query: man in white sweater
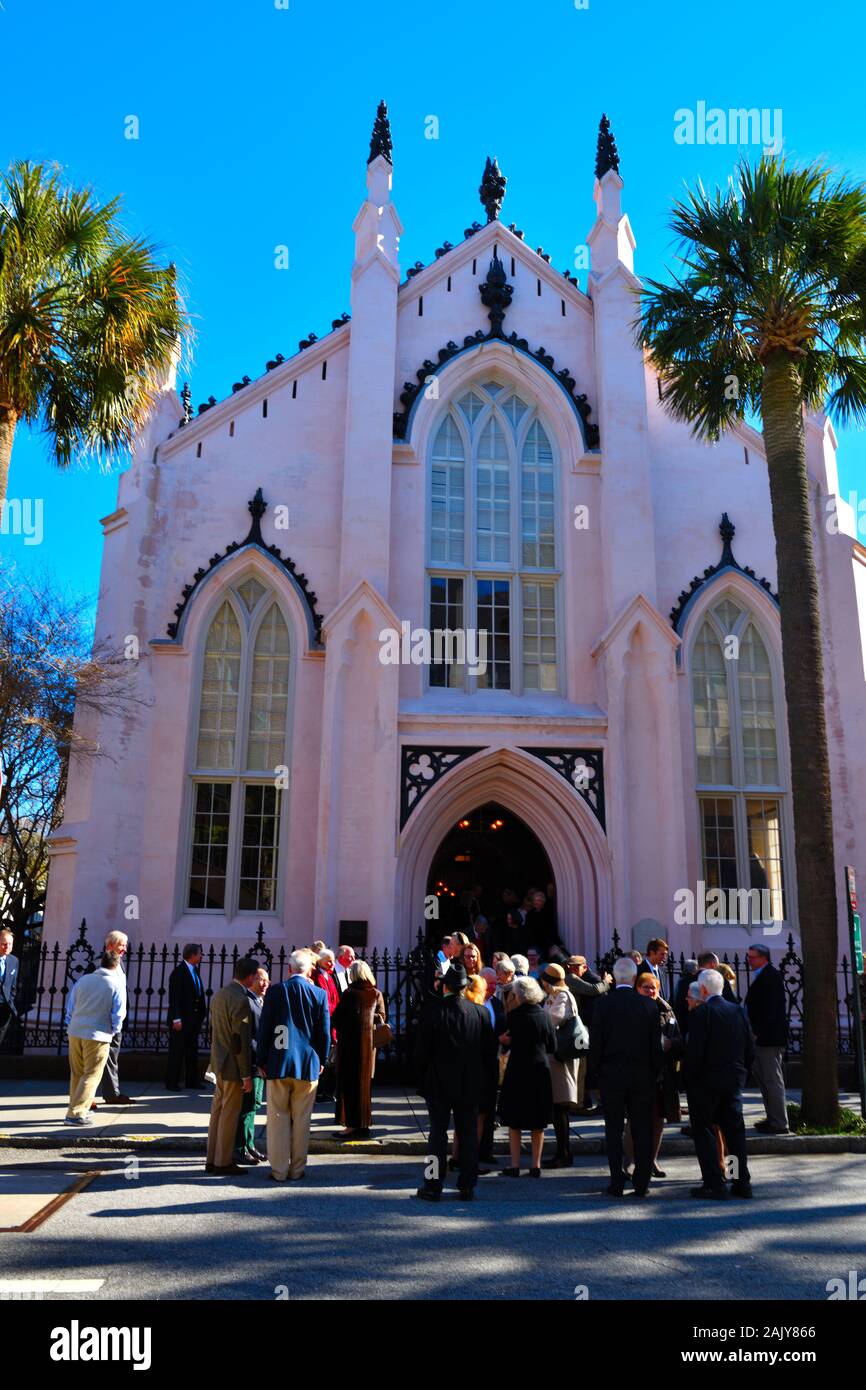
94, 1014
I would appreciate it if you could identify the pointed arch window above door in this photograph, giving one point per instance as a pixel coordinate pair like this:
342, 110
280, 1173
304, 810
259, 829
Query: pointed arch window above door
493, 543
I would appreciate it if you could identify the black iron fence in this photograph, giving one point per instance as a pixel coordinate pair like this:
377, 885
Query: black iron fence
48, 973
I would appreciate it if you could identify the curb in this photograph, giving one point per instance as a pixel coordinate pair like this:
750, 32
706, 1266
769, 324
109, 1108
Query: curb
190, 1144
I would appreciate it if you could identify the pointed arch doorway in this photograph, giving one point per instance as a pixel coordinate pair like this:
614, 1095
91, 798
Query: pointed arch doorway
572, 839
488, 854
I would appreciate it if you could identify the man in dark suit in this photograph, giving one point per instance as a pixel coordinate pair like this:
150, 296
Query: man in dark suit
293, 1044
688, 977
187, 1008
455, 1045
8, 981
625, 1058
657, 952
719, 1052
708, 960
768, 1018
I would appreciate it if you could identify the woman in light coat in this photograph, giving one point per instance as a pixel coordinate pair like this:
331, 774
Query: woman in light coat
561, 1009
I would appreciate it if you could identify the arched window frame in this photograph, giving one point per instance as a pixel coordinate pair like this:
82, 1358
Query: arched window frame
471, 569
738, 789
239, 776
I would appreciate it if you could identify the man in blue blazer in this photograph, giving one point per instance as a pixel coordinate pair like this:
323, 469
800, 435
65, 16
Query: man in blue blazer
292, 1046
8, 981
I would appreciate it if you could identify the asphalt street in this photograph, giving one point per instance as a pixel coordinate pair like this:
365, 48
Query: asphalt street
160, 1228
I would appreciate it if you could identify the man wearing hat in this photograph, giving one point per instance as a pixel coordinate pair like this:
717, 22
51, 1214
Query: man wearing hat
455, 1046
586, 988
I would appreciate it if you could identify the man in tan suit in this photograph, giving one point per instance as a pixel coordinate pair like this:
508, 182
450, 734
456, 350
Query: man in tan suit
231, 1063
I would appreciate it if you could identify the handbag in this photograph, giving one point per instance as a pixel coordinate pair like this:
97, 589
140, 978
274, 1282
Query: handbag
572, 1039
383, 1035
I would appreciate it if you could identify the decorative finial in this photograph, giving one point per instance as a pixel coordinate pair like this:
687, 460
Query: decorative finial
380, 142
186, 398
606, 153
258, 506
492, 189
727, 531
496, 295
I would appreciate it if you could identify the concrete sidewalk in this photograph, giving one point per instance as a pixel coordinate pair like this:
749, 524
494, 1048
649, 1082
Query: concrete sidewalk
31, 1116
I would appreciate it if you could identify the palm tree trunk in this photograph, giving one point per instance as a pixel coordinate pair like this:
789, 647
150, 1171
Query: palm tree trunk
803, 660
8, 421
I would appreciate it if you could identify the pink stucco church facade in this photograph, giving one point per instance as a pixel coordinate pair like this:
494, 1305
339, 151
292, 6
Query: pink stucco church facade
480, 447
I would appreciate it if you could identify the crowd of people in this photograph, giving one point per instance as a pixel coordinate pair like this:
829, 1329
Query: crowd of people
527, 1040
524, 1041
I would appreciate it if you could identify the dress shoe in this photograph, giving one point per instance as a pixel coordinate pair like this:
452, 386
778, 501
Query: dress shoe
174, 1088
263, 1158
231, 1170
686, 1130
658, 1172
509, 1172
93, 1105
558, 1161
426, 1194
711, 1194
534, 1173
640, 1192
210, 1167
612, 1191
484, 1172
247, 1158
742, 1190
119, 1100
465, 1194
762, 1124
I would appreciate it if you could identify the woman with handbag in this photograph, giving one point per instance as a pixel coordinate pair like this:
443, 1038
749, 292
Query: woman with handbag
571, 1039
360, 1023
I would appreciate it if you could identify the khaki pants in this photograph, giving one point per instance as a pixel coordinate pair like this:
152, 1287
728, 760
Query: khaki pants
582, 1065
86, 1064
771, 1079
290, 1109
224, 1111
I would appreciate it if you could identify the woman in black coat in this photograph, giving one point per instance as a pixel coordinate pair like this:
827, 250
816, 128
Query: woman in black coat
526, 1100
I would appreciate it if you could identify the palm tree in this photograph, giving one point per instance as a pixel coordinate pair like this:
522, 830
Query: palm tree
768, 318
89, 322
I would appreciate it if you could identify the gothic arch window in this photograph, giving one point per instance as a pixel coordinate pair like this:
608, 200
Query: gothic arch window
239, 755
492, 552
741, 787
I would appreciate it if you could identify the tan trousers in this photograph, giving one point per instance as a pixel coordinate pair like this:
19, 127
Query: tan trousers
290, 1109
224, 1111
582, 1064
86, 1064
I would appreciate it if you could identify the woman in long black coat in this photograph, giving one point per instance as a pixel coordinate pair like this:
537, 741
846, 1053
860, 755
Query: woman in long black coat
526, 1100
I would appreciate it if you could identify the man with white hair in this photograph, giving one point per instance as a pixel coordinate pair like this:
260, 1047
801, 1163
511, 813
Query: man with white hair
116, 944
294, 1039
719, 1053
625, 1058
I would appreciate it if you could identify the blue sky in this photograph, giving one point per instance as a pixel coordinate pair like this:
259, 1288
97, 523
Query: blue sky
254, 123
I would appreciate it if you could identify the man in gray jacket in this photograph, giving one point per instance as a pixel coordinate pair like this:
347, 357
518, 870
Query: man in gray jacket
94, 1015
